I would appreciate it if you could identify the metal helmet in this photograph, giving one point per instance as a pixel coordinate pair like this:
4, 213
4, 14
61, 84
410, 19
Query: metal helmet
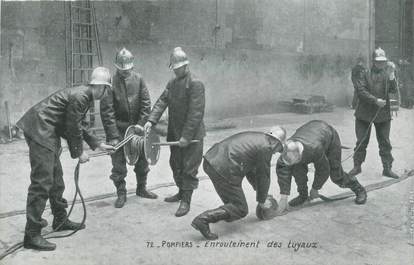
124, 60
379, 55
292, 153
101, 76
279, 133
178, 58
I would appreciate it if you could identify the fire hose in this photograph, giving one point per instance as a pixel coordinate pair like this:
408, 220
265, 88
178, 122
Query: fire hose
363, 138
17, 246
140, 144
133, 151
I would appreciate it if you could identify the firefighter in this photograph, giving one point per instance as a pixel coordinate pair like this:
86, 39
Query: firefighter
57, 116
128, 103
227, 163
373, 88
184, 97
315, 142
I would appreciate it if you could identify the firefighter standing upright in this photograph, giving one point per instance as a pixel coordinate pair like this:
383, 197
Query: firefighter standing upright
184, 97
373, 88
128, 103
59, 115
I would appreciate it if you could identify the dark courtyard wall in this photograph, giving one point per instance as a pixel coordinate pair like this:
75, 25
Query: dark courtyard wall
260, 52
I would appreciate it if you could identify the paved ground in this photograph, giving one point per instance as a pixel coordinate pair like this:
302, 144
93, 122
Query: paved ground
335, 233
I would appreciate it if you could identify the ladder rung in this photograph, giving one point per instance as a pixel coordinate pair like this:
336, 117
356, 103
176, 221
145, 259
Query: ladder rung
96, 128
82, 24
81, 7
94, 113
84, 53
75, 38
82, 69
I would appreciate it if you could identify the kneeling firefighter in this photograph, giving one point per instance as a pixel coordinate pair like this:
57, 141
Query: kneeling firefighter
227, 163
315, 142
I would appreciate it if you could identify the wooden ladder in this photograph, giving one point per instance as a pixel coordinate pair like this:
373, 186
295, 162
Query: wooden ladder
82, 46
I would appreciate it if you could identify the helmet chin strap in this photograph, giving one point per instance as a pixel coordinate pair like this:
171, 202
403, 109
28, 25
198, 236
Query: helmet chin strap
103, 92
94, 91
184, 72
125, 73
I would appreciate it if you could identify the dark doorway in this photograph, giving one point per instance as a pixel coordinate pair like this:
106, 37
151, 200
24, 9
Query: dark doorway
394, 22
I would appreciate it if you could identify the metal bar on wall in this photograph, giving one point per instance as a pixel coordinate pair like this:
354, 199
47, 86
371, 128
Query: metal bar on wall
98, 44
403, 27
304, 27
71, 45
371, 30
0, 27
6, 105
412, 34
68, 51
216, 27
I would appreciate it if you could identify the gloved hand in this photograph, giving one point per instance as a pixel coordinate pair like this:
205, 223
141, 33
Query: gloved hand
390, 70
106, 148
283, 205
113, 142
267, 204
380, 102
183, 142
147, 126
313, 194
83, 158
268, 209
139, 130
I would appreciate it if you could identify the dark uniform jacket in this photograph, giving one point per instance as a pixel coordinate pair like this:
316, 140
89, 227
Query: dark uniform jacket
244, 154
316, 137
185, 100
371, 85
127, 103
60, 115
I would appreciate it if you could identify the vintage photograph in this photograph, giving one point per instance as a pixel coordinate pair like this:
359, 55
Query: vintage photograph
207, 132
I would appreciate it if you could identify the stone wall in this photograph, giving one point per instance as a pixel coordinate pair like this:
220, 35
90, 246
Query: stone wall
249, 53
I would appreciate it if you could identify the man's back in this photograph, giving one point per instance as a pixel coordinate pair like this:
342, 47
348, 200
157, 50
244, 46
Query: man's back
48, 119
58, 115
316, 136
239, 153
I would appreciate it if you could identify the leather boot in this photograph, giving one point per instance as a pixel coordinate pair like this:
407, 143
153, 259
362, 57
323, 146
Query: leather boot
37, 242
184, 207
62, 223
175, 198
144, 193
120, 201
387, 172
121, 192
356, 169
359, 190
300, 199
201, 222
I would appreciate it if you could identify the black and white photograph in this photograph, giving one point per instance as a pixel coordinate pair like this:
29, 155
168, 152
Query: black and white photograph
186, 132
